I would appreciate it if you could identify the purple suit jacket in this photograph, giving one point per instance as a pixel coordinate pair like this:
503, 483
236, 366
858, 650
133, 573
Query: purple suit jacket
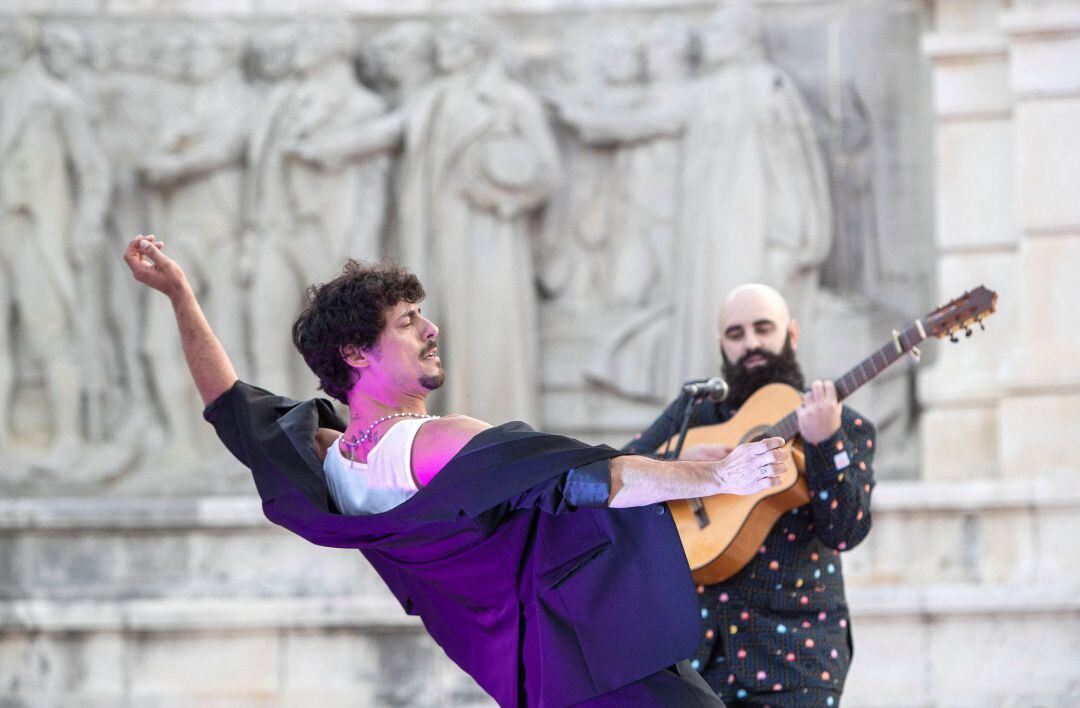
530, 584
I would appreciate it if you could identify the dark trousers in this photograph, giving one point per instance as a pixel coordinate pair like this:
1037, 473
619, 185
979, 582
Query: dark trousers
677, 686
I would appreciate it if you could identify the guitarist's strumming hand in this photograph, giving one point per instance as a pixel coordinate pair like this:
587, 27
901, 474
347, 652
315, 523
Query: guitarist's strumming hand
819, 415
752, 467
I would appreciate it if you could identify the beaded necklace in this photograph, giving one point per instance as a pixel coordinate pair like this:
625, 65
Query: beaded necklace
365, 434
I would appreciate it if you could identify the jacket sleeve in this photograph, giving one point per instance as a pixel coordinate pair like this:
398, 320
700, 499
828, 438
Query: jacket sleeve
588, 485
840, 476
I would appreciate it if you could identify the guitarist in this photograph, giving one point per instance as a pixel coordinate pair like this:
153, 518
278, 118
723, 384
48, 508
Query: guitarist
778, 632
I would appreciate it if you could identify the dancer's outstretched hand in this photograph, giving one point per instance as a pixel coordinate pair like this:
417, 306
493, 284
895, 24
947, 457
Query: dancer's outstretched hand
150, 266
752, 467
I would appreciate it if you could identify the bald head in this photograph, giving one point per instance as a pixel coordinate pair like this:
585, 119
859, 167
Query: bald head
755, 316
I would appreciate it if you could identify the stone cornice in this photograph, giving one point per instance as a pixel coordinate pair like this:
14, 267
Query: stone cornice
258, 614
962, 600
947, 46
1043, 21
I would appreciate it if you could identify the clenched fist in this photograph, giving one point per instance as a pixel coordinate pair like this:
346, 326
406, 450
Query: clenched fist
152, 267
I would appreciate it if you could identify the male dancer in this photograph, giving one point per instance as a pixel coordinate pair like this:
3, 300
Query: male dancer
777, 633
526, 555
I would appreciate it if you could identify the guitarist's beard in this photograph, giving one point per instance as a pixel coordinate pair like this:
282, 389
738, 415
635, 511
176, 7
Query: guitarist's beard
778, 368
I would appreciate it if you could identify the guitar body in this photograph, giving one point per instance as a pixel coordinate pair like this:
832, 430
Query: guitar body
720, 541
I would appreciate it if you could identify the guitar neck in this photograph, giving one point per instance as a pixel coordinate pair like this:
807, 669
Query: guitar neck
862, 373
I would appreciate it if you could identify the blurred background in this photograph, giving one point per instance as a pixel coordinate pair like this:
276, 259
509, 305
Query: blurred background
530, 160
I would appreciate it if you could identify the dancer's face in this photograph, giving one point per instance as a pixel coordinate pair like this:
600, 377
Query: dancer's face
406, 355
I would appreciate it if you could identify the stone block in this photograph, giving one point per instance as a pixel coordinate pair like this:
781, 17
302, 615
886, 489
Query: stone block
1009, 541
79, 7
12, 578
1045, 50
334, 660
1054, 548
1047, 183
969, 370
917, 548
959, 443
968, 15
156, 564
187, 8
1047, 352
970, 78
203, 664
74, 565
985, 660
1033, 431
274, 563
101, 564
59, 666
975, 203
899, 680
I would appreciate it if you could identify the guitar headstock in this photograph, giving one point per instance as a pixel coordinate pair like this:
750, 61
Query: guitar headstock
960, 314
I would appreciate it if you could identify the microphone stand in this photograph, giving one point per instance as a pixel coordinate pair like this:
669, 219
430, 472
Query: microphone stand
690, 403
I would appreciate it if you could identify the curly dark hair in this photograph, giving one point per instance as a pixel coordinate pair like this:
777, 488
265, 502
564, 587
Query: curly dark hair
349, 310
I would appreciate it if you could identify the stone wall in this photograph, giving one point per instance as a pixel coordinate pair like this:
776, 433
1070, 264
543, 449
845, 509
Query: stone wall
141, 577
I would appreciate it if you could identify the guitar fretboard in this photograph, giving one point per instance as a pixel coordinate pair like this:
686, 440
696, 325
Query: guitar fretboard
863, 372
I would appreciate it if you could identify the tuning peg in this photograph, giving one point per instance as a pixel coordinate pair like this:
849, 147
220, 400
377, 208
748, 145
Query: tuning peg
982, 326
916, 354
967, 332
952, 338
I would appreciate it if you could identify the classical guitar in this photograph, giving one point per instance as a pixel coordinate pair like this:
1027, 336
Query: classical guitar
720, 534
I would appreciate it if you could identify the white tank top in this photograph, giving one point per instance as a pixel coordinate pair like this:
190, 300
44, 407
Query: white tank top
381, 483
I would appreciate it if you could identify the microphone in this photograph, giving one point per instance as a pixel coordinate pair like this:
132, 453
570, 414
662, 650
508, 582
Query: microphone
715, 389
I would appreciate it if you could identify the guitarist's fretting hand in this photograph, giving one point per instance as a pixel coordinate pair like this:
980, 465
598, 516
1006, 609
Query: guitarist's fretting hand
819, 415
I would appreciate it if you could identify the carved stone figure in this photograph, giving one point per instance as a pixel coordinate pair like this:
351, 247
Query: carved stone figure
855, 259
479, 158
647, 164
401, 60
66, 53
302, 218
193, 179
54, 186
606, 73
756, 205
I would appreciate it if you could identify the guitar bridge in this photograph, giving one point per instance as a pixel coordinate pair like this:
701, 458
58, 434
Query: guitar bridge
702, 516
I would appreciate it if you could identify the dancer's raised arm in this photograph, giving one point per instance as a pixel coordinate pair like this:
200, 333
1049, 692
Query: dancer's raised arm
207, 360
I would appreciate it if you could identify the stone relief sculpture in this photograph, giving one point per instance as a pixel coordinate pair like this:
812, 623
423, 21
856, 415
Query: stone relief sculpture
400, 60
756, 205
302, 218
855, 259
646, 131
66, 54
676, 149
54, 186
479, 158
192, 177
604, 75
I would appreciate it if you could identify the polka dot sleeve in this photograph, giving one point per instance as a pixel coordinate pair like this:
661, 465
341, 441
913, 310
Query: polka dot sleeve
840, 475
